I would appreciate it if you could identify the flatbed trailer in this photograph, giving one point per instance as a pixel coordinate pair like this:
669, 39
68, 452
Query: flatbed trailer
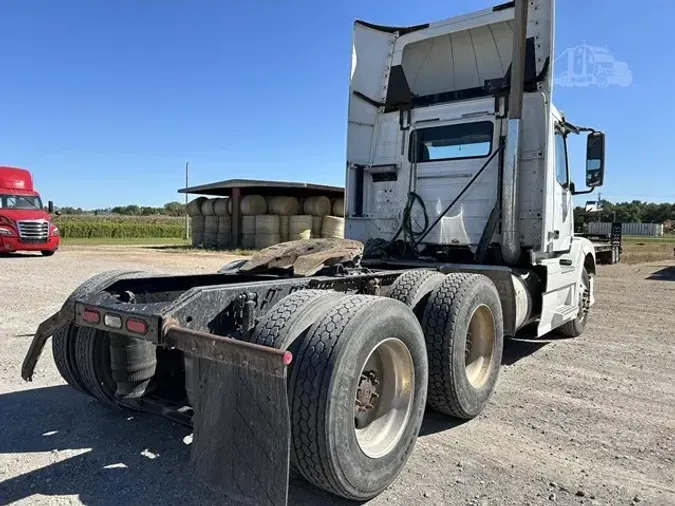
608, 247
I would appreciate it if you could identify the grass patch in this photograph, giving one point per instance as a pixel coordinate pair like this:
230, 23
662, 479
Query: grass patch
125, 241
647, 249
188, 248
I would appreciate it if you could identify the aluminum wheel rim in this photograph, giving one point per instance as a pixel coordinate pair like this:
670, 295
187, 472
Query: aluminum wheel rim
380, 419
479, 346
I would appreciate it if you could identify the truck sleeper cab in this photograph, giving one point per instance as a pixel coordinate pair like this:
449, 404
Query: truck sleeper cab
324, 353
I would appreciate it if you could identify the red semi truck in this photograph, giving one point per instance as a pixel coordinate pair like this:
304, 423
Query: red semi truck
24, 223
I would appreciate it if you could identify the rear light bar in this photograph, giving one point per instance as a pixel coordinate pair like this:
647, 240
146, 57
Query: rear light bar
115, 322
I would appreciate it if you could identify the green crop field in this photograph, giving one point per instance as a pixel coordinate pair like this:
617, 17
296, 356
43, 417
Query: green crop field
120, 227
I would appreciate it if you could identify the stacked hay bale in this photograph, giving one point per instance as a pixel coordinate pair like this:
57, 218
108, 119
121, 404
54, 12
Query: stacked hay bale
333, 227
317, 207
266, 230
210, 224
194, 211
248, 232
250, 207
224, 235
299, 227
339, 208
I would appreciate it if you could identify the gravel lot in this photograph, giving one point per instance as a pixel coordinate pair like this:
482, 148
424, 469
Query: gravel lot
585, 421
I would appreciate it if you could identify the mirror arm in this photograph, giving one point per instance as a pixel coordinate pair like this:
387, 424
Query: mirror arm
584, 192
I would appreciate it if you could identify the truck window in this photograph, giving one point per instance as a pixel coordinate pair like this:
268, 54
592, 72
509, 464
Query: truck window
19, 202
451, 142
561, 159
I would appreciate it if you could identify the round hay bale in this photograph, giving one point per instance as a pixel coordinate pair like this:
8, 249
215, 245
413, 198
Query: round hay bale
207, 207
224, 225
211, 224
253, 204
194, 207
224, 240
317, 206
266, 224
197, 239
210, 240
333, 226
197, 224
283, 206
317, 223
248, 241
299, 227
248, 225
339, 207
220, 207
266, 240
284, 230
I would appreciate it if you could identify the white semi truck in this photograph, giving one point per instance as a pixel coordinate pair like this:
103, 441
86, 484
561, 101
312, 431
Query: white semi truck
322, 355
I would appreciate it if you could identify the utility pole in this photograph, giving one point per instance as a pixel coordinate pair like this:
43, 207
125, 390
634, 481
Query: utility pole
187, 217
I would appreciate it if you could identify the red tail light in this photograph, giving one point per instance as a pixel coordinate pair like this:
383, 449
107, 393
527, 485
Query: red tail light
91, 316
136, 326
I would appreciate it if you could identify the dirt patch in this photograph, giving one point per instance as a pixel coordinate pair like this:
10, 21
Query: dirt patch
582, 421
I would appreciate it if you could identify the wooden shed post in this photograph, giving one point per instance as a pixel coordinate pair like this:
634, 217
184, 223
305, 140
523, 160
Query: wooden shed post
236, 217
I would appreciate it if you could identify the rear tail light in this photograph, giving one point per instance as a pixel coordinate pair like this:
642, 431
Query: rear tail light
136, 326
112, 320
91, 316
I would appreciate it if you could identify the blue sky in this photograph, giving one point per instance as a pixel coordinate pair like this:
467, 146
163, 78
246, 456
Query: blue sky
104, 101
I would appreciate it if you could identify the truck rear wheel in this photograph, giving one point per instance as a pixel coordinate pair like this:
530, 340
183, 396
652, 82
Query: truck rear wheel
413, 288
359, 391
464, 331
92, 349
63, 350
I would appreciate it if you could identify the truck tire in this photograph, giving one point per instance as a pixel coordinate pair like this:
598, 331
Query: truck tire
63, 350
414, 287
92, 348
464, 330
577, 326
345, 439
64, 340
47, 252
290, 319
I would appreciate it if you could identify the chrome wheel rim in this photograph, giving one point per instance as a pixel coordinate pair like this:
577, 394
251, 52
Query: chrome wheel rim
384, 397
479, 346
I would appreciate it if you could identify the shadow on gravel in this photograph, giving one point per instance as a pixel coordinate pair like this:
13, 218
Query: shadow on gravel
517, 348
19, 255
103, 455
665, 274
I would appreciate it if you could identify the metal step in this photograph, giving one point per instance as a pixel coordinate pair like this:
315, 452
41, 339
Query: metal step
567, 312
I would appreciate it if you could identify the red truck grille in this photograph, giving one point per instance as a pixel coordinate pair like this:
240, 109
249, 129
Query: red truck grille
33, 231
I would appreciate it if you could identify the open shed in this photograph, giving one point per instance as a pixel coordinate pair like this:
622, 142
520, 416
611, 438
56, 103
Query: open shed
236, 188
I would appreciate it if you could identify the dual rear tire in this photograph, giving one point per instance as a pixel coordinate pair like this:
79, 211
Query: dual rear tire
365, 367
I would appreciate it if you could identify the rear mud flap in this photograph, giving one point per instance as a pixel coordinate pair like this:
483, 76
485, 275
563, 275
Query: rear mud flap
241, 441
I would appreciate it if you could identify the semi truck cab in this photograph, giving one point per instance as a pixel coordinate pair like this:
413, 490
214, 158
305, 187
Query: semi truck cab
24, 223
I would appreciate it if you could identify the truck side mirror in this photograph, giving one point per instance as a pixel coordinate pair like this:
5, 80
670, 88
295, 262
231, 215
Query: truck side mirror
595, 159
50, 207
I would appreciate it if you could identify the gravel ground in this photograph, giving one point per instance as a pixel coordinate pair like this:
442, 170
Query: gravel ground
585, 421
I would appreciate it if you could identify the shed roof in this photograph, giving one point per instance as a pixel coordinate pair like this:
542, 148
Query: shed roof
267, 188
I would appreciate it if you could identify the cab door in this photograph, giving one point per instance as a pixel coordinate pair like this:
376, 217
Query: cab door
563, 219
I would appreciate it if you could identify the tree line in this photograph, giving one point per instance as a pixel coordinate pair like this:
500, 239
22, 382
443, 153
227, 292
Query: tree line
168, 209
